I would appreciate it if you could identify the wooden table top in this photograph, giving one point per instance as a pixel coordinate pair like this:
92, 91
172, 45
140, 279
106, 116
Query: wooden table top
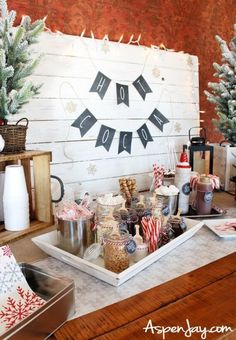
205, 297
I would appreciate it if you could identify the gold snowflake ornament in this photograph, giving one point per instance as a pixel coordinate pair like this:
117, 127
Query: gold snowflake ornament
177, 127
92, 169
156, 72
189, 61
105, 48
71, 107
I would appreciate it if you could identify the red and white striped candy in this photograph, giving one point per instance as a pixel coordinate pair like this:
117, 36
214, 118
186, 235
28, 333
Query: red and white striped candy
193, 181
158, 174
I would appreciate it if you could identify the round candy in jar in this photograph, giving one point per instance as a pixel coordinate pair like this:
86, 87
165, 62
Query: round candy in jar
178, 225
131, 220
115, 254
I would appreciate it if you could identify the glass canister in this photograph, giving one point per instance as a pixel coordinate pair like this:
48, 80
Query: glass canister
103, 210
104, 228
204, 196
170, 203
115, 254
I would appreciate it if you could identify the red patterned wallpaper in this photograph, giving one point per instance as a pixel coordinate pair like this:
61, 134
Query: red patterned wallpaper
184, 25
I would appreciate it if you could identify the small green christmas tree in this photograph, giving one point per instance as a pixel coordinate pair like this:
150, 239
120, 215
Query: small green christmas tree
223, 93
16, 62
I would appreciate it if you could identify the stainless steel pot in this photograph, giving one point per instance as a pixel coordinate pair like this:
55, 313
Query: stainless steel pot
75, 236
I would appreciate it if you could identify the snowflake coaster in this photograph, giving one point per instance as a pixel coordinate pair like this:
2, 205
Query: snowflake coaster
17, 300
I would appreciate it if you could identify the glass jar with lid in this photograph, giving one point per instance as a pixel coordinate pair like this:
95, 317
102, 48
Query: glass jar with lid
115, 254
108, 204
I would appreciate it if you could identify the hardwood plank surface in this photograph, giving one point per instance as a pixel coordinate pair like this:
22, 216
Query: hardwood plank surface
9, 236
204, 308
23, 155
42, 182
205, 296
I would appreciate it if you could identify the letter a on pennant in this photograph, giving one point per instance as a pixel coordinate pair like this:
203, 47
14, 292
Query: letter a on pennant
158, 119
100, 84
105, 137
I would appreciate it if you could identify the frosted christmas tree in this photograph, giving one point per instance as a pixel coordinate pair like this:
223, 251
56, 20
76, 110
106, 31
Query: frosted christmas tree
223, 93
16, 62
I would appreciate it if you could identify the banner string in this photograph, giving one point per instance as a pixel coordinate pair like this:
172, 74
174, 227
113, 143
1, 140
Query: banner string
162, 91
97, 69
86, 106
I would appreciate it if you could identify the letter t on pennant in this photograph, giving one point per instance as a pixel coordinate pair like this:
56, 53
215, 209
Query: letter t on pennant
122, 93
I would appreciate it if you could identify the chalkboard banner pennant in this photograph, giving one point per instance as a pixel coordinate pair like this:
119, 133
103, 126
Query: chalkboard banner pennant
142, 86
84, 122
144, 135
105, 137
100, 84
122, 93
158, 119
125, 142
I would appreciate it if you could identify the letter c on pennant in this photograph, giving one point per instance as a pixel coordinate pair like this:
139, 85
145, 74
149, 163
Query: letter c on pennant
81, 126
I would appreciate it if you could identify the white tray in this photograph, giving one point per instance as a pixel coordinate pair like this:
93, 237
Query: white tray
47, 242
211, 224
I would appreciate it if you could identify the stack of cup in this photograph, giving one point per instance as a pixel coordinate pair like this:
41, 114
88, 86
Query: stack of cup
15, 199
2, 176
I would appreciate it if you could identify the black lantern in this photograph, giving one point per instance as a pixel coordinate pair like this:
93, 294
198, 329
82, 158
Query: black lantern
200, 153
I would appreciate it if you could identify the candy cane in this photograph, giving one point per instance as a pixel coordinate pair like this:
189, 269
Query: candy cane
215, 180
227, 226
144, 223
153, 235
158, 228
193, 181
158, 173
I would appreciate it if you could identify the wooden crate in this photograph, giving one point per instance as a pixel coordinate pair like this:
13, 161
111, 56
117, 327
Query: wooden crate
224, 159
36, 166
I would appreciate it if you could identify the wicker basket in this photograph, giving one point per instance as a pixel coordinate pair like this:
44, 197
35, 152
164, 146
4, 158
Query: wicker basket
14, 136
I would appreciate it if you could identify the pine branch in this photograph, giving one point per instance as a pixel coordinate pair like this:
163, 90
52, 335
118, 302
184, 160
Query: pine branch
26, 70
34, 31
3, 8
16, 62
223, 93
11, 17
21, 97
226, 53
18, 37
25, 22
4, 100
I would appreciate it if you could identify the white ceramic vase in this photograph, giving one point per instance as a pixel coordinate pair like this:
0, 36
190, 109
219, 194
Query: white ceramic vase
2, 143
182, 182
15, 199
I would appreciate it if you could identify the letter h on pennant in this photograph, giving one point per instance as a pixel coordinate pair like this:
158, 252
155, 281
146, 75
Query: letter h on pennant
100, 84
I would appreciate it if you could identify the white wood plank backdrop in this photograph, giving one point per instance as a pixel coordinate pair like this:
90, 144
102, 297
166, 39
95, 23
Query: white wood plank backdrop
67, 70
